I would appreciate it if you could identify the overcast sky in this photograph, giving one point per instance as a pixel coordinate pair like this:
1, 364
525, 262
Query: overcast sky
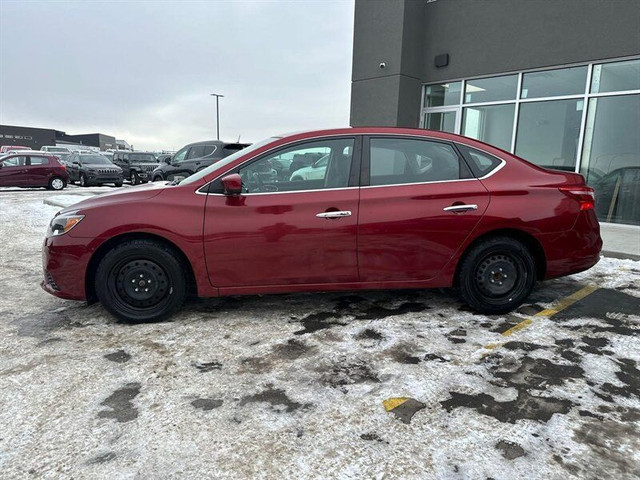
143, 71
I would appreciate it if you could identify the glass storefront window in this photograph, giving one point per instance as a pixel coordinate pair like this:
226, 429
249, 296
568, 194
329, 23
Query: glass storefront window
611, 157
548, 133
491, 89
491, 124
441, 121
616, 77
551, 83
443, 94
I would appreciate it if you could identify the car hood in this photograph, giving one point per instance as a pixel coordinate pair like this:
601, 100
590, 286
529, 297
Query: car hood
126, 195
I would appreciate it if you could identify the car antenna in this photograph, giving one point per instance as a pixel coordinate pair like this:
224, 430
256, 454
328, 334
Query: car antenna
238, 139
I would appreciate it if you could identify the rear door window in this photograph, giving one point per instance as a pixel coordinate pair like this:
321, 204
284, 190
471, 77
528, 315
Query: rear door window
196, 152
396, 161
39, 161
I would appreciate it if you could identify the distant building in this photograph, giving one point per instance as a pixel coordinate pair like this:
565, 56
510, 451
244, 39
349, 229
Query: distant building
38, 137
122, 145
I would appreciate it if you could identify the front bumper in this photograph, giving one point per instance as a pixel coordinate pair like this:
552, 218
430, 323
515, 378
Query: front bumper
64, 262
104, 178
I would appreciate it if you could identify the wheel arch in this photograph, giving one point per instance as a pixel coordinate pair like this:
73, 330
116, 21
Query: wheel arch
523, 237
98, 255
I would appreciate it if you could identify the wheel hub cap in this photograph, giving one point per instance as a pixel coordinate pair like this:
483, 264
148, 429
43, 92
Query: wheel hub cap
496, 275
141, 283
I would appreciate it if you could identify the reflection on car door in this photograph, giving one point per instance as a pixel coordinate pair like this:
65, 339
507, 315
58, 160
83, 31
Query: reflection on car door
280, 232
420, 205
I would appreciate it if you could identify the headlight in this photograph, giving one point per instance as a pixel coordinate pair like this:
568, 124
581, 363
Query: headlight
63, 223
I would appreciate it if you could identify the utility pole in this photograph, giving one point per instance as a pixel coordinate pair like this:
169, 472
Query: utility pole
217, 95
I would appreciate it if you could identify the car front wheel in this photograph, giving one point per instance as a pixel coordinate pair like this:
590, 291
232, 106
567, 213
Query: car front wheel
135, 179
141, 281
83, 180
497, 275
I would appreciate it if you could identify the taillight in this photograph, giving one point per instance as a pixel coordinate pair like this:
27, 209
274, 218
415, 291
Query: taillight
583, 194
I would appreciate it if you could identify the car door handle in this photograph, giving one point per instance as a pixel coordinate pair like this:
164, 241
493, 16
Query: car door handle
460, 208
339, 214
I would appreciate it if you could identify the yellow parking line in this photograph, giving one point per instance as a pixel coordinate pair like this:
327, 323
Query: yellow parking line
567, 301
549, 312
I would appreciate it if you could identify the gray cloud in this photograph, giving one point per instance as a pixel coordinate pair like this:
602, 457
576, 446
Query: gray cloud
143, 70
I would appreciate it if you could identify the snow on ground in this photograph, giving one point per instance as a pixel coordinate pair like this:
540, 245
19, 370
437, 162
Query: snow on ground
291, 386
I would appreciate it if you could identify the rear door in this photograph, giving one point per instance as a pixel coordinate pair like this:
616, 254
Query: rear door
13, 172
38, 171
280, 232
418, 204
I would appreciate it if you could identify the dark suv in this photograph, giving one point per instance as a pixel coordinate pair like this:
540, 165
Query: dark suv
93, 169
136, 166
193, 158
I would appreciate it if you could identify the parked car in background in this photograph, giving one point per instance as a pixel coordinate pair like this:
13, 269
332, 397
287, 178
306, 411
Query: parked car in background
54, 150
312, 172
193, 158
93, 169
7, 148
136, 166
29, 168
396, 208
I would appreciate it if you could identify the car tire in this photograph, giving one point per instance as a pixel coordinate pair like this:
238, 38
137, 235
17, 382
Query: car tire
497, 275
157, 178
57, 183
141, 281
83, 180
134, 178
118, 184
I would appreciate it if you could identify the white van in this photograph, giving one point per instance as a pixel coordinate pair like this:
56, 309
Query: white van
52, 149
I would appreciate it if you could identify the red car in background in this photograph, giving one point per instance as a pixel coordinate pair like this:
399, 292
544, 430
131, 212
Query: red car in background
7, 148
395, 208
32, 169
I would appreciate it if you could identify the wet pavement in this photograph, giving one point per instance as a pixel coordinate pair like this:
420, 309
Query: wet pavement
400, 384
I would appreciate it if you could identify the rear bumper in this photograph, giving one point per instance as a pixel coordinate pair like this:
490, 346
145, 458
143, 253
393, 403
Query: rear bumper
575, 250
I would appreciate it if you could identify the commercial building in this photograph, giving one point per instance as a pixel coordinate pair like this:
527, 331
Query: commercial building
37, 137
557, 83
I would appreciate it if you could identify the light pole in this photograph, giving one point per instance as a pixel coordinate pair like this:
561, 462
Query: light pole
217, 95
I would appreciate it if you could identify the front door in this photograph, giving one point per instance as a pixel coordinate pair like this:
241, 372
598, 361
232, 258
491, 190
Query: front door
13, 172
420, 205
282, 231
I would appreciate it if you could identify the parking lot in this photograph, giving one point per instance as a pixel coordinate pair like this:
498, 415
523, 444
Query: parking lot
398, 384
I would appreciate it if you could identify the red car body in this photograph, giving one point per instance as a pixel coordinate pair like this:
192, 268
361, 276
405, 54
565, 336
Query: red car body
32, 169
397, 236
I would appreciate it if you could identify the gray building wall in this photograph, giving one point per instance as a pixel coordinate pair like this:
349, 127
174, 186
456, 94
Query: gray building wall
481, 37
27, 136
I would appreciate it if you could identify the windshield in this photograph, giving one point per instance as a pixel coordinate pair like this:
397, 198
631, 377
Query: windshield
142, 157
94, 160
227, 161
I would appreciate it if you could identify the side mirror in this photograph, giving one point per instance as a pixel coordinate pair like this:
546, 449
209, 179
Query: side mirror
167, 160
232, 184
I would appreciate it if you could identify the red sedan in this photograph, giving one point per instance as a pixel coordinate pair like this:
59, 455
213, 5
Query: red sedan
32, 169
391, 208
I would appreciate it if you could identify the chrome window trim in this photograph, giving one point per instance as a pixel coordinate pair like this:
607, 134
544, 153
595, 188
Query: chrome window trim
276, 193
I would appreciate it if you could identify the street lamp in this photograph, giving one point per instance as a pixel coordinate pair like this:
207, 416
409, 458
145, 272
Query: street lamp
217, 95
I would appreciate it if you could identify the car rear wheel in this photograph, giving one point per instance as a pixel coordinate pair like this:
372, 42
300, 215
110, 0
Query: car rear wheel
141, 281
56, 183
497, 275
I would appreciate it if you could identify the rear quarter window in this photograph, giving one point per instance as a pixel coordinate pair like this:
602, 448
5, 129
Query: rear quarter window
39, 161
481, 163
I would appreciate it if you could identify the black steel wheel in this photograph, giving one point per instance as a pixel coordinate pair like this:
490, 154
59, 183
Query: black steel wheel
497, 275
141, 281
